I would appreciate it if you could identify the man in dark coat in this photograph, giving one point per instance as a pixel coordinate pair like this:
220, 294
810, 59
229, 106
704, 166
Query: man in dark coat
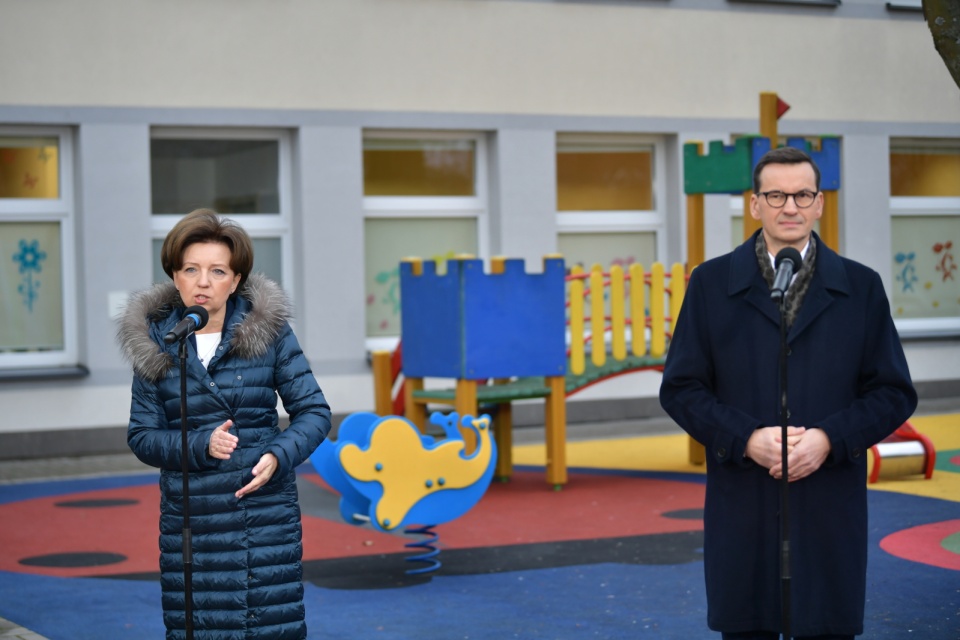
848, 388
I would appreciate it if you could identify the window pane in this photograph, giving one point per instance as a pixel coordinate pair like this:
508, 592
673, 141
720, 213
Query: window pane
387, 241
31, 287
266, 259
29, 167
418, 167
606, 249
929, 168
926, 280
229, 176
599, 178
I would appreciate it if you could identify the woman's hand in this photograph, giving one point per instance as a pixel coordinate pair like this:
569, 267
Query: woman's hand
261, 474
222, 442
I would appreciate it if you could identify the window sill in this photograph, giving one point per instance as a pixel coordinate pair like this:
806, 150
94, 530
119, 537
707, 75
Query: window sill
44, 373
927, 328
830, 4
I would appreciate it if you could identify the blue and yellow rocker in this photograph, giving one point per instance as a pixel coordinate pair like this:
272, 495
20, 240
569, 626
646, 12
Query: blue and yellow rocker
390, 475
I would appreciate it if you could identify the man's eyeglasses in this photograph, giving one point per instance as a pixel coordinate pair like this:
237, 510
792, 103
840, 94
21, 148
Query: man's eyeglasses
777, 199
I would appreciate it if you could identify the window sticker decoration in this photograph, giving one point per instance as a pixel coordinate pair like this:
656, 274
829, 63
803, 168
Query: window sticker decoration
389, 281
31, 286
907, 270
946, 265
31, 260
29, 168
926, 283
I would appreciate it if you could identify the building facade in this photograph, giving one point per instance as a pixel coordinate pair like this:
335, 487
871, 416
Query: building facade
347, 134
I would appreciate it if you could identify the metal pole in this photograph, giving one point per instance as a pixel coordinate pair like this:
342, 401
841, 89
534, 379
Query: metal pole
785, 612
185, 472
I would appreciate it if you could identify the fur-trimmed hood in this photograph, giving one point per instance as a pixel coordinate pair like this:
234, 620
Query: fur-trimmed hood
261, 312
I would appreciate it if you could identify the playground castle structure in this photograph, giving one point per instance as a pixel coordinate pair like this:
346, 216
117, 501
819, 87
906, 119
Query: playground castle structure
502, 337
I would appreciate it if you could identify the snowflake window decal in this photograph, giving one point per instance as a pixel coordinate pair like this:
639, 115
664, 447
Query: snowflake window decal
30, 258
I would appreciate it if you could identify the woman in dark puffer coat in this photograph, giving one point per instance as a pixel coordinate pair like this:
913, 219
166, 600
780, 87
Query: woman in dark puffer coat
245, 518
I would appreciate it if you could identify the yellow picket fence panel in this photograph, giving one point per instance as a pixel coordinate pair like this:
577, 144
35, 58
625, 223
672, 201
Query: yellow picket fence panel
598, 303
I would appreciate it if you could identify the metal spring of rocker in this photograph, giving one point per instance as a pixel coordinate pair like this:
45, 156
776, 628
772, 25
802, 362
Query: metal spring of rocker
428, 544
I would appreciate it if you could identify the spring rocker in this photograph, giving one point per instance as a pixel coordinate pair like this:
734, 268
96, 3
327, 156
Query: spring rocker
391, 476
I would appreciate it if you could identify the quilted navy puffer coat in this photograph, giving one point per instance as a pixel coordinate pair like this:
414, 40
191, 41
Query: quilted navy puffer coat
247, 575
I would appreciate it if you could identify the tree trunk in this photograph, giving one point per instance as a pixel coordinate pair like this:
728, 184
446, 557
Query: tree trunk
943, 18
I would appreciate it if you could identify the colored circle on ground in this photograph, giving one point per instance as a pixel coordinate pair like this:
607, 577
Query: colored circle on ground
96, 504
952, 543
685, 514
74, 560
936, 544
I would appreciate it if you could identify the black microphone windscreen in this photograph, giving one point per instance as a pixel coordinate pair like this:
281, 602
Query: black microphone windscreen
791, 254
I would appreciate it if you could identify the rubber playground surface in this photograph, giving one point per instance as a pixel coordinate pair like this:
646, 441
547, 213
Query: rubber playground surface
615, 554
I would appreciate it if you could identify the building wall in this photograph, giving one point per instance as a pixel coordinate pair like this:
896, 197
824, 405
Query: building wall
520, 71
679, 59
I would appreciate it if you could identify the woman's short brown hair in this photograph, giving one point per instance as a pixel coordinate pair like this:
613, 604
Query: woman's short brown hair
205, 225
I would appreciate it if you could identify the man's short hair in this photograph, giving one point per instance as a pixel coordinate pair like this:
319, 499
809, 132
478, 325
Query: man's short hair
783, 155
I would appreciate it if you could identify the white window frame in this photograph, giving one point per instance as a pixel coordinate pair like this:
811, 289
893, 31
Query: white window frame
654, 220
61, 210
399, 207
906, 206
258, 225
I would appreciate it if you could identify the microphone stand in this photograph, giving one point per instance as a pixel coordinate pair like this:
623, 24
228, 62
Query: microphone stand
185, 472
784, 482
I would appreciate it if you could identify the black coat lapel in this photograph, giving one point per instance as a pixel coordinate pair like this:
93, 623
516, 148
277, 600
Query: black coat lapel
829, 281
745, 275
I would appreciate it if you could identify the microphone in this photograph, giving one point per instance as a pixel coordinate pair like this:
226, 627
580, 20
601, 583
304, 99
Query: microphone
194, 319
787, 263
